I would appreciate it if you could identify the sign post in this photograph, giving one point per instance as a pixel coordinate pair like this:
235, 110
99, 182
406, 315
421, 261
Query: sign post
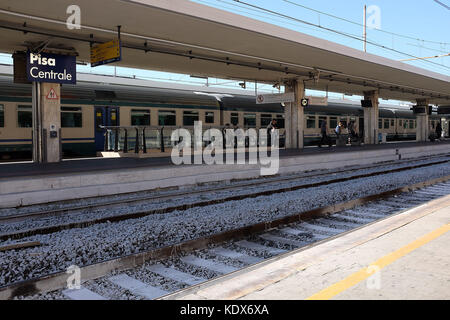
275, 98
47, 72
51, 68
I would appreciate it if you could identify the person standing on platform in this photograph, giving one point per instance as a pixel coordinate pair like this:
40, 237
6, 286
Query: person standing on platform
439, 131
338, 130
270, 128
325, 139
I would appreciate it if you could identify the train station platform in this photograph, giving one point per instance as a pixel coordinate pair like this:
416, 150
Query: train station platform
27, 183
405, 257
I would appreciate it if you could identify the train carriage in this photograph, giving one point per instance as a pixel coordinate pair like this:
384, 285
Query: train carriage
88, 106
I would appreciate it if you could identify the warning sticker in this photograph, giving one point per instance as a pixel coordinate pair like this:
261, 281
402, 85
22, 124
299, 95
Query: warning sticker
52, 95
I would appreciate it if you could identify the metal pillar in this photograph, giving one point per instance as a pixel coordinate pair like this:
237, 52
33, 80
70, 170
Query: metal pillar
371, 116
295, 116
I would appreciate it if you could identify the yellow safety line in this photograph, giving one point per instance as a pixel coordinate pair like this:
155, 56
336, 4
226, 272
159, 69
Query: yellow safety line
365, 273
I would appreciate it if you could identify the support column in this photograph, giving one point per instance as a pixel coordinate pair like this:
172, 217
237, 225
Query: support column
423, 125
48, 123
371, 116
37, 123
295, 116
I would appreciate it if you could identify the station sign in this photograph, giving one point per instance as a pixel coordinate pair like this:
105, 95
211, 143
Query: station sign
275, 98
318, 101
53, 68
105, 53
422, 110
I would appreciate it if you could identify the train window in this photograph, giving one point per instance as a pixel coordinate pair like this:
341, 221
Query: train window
400, 123
380, 124
234, 119
2, 116
415, 124
333, 122
71, 117
411, 124
280, 121
167, 118
24, 117
209, 117
310, 122
322, 119
386, 123
265, 119
140, 117
114, 118
250, 120
189, 117
405, 124
392, 123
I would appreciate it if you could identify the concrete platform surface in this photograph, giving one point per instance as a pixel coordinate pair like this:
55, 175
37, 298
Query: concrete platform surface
29, 169
406, 256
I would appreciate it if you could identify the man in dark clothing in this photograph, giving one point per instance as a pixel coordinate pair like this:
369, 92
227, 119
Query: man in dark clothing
325, 139
438, 131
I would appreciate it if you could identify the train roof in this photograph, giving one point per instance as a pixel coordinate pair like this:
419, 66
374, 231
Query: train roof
120, 94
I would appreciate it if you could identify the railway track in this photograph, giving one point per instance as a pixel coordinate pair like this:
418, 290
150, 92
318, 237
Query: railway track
245, 193
156, 273
63, 207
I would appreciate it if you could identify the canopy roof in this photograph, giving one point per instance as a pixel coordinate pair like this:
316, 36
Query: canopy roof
185, 37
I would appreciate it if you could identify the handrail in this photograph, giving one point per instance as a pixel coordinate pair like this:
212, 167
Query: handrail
113, 137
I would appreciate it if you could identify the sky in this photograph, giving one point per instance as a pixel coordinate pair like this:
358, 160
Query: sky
421, 28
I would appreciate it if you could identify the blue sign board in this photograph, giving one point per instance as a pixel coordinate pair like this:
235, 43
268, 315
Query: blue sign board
55, 68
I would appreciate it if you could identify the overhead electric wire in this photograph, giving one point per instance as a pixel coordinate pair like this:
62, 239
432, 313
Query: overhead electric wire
361, 25
248, 11
432, 57
337, 32
427, 48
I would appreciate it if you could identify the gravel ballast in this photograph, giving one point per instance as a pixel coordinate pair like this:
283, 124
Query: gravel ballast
109, 240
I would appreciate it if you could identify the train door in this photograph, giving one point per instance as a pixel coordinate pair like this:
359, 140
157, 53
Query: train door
104, 116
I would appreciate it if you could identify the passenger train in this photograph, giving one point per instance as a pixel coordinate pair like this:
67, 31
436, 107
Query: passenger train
86, 107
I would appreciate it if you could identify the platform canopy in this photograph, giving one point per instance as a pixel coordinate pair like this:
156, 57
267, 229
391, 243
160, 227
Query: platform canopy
185, 37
